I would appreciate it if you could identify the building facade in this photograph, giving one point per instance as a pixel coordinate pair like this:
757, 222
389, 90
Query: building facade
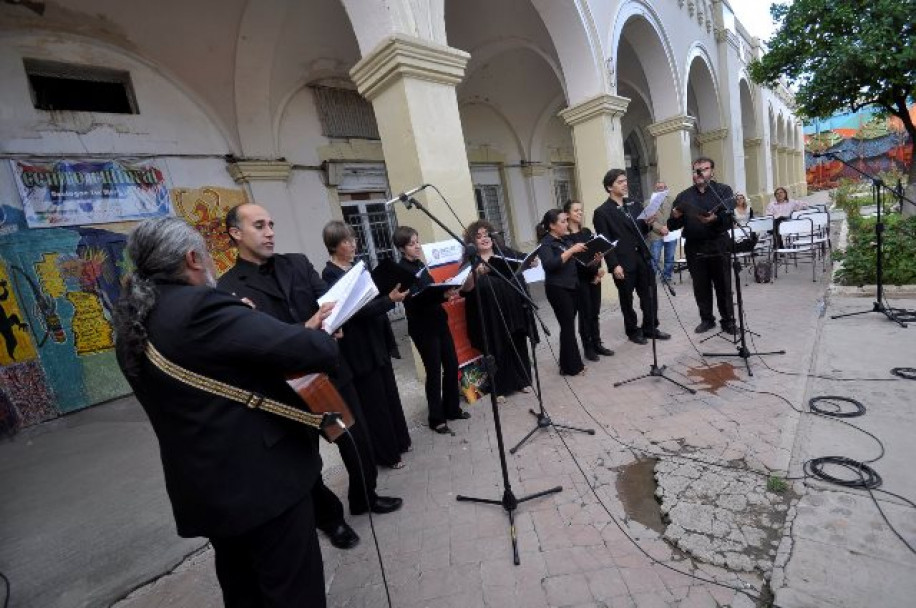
322, 109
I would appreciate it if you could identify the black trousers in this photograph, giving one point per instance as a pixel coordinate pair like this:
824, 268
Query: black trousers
437, 351
708, 264
640, 280
359, 460
589, 296
275, 565
564, 304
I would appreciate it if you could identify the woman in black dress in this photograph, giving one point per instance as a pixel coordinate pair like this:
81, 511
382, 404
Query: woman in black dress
505, 316
589, 286
427, 325
366, 347
561, 283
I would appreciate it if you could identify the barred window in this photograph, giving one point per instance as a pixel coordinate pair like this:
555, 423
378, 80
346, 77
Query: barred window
345, 113
57, 86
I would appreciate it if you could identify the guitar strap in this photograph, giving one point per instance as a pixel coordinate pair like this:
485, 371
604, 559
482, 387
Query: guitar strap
227, 391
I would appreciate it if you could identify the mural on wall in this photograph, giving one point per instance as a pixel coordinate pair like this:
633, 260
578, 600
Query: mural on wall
60, 286
874, 145
75, 193
205, 209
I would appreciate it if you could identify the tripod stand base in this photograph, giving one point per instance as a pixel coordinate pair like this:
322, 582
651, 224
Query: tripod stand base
656, 371
745, 354
544, 422
876, 307
510, 503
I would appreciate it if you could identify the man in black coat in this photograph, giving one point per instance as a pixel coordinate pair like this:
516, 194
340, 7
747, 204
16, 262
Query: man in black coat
287, 287
616, 219
704, 211
239, 476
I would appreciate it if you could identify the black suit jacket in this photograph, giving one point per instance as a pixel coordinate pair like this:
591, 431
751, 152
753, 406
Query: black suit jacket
615, 225
299, 287
227, 468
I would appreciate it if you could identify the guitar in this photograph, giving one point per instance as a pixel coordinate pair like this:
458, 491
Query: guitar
321, 397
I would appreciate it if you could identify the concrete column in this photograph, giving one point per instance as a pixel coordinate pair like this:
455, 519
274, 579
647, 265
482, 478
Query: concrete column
267, 184
672, 146
714, 144
411, 85
801, 181
785, 177
755, 166
598, 143
774, 163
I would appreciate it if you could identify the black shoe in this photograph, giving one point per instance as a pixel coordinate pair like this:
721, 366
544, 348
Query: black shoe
604, 351
638, 338
705, 326
380, 506
342, 536
729, 327
591, 355
657, 334
462, 416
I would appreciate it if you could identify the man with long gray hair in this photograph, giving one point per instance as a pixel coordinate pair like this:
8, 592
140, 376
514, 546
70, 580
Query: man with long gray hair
239, 476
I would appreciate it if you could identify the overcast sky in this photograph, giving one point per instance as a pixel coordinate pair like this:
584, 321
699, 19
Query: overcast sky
754, 15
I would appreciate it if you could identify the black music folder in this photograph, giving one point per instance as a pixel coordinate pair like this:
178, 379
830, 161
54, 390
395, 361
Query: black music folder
389, 273
598, 244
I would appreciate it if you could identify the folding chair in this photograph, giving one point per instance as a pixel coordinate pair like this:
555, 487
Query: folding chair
763, 228
740, 235
797, 240
680, 257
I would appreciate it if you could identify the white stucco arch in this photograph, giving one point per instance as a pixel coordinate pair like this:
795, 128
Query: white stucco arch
700, 76
502, 119
578, 46
655, 56
375, 21
161, 119
537, 141
749, 113
482, 54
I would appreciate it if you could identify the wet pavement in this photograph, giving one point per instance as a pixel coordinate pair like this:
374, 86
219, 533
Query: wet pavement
679, 499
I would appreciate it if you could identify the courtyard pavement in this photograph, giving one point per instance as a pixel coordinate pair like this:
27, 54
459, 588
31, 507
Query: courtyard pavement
678, 499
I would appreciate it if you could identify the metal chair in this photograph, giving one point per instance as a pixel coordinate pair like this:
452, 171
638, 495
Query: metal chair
796, 239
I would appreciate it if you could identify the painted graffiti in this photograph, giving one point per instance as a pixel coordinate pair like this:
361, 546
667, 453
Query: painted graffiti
26, 392
205, 209
45, 311
92, 332
16, 345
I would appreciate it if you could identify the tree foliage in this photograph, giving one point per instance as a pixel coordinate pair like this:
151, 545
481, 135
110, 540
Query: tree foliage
844, 55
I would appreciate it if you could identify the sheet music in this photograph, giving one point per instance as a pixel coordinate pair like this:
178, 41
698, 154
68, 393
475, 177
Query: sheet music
655, 203
353, 291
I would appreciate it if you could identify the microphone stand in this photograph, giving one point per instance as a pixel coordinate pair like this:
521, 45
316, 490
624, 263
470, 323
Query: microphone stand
655, 370
741, 343
543, 419
876, 190
509, 501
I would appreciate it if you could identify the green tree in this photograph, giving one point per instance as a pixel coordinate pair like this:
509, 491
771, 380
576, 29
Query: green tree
845, 55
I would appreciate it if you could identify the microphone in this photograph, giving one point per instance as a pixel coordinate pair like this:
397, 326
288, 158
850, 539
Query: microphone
496, 233
820, 154
698, 172
403, 196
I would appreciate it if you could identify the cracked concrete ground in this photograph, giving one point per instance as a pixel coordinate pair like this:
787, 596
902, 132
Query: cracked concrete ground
111, 530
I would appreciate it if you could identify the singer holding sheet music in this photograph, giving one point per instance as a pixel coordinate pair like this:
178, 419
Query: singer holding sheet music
427, 326
561, 282
505, 314
287, 287
616, 219
365, 345
704, 211
589, 286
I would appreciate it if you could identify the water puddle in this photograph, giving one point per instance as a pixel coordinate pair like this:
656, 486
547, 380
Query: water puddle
713, 376
636, 490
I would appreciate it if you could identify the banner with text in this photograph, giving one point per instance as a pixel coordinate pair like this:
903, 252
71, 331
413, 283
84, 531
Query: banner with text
71, 193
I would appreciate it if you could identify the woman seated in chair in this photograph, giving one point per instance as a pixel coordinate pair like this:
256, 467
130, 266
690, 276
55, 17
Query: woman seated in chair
743, 211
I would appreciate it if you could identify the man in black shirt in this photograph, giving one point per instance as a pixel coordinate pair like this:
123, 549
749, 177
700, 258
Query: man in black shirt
287, 287
617, 219
704, 211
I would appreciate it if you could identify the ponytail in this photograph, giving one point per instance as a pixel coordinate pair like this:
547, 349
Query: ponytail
551, 217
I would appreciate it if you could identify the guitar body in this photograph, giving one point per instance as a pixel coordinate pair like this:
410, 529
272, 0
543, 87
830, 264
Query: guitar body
321, 397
